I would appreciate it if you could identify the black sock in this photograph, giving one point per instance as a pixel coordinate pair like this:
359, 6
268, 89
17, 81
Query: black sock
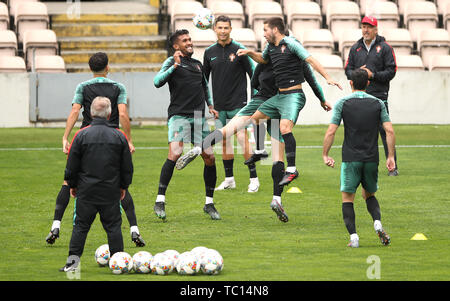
349, 217
260, 135
166, 175
374, 208
290, 147
228, 166
210, 178
212, 139
277, 176
252, 170
62, 200
128, 207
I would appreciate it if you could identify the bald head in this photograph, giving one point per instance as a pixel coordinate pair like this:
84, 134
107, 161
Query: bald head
101, 107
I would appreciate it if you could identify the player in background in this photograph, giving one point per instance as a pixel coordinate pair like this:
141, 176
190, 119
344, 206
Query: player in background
85, 93
362, 115
186, 121
229, 88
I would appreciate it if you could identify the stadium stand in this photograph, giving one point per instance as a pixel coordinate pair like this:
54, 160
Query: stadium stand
182, 14
409, 63
201, 39
30, 15
342, 15
258, 13
441, 5
348, 38
248, 3
446, 16
246, 37
418, 16
399, 39
301, 16
330, 62
12, 64
4, 16
38, 42
386, 13
318, 41
14, 3
8, 43
433, 42
50, 64
440, 63
366, 6
232, 9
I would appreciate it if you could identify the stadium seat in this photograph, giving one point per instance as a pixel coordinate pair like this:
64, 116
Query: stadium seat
39, 42
264, 41
325, 3
302, 16
342, 15
258, 13
4, 16
418, 16
441, 6
318, 41
182, 14
330, 62
8, 43
209, 3
440, 63
202, 39
50, 64
386, 13
13, 5
12, 64
248, 3
245, 36
446, 17
348, 38
171, 4
30, 15
365, 6
232, 9
409, 63
399, 39
402, 4
433, 42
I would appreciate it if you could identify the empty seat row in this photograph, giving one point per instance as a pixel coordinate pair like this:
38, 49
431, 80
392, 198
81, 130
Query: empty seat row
43, 63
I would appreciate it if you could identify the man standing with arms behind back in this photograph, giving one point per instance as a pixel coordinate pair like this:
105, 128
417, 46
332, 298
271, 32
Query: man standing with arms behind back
377, 57
229, 85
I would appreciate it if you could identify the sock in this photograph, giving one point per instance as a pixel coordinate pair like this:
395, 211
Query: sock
277, 176
260, 135
252, 170
290, 147
62, 200
166, 175
128, 207
212, 139
374, 208
209, 200
348, 213
228, 166
134, 229
160, 198
210, 178
56, 224
277, 198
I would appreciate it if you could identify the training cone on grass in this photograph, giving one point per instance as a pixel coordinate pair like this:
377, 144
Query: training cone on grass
419, 236
294, 190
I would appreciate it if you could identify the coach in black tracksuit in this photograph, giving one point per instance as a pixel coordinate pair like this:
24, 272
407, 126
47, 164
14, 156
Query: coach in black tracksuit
99, 169
377, 57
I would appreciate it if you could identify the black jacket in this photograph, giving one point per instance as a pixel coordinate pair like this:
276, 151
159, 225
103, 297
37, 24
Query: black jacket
99, 163
380, 60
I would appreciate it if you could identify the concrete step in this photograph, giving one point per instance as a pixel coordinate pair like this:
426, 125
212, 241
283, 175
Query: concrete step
105, 29
76, 8
116, 68
112, 43
117, 56
103, 18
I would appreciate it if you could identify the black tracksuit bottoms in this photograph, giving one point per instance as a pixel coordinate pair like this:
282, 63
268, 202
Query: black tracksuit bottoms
84, 215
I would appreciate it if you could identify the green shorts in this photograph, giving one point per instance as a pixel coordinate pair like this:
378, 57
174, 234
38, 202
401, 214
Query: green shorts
284, 105
354, 173
187, 129
225, 116
252, 107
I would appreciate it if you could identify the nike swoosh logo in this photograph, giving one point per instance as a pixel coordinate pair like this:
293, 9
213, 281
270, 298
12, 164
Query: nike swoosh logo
213, 58
67, 269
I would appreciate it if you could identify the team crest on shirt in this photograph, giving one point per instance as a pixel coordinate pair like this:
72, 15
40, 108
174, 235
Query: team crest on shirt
283, 48
232, 57
378, 49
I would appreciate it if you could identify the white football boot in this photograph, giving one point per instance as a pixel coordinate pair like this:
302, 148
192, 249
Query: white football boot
228, 183
254, 185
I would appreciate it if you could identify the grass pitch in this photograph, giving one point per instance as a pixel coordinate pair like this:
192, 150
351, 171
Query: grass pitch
255, 245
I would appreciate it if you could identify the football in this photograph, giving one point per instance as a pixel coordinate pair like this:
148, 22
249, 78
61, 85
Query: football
142, 261
198, 251
173, 254
188, 264
102, 255
121, 263
211, 262
203, 19
161, 264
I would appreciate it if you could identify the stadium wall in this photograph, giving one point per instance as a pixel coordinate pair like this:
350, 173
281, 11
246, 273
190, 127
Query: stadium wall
417, 97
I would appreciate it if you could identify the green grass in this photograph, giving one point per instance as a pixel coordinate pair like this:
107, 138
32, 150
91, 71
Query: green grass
254, 243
